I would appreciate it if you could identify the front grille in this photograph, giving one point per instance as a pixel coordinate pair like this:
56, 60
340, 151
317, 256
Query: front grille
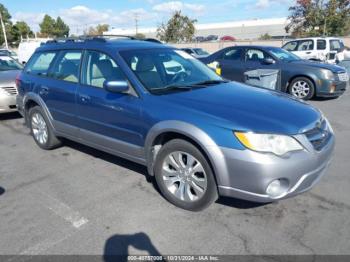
11, 90
344, 77
319, 135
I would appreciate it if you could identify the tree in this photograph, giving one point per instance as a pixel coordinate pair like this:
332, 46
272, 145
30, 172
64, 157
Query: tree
316, 17
102, 28
7, 22
47, 26
140, 36
98, 30
265, 36
23, 29
179, 28
60, 28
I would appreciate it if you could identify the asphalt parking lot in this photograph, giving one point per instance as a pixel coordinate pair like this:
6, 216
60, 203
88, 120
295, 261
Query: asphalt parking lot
77, 200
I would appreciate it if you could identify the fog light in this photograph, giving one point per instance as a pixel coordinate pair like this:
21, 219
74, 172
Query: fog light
277, 188
333, 87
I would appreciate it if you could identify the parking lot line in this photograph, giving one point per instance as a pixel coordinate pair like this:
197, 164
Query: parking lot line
65, 212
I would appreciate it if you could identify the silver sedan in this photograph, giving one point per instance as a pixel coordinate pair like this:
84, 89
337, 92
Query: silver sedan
9, 69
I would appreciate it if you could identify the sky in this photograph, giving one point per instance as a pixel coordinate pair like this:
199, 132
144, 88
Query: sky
121, 14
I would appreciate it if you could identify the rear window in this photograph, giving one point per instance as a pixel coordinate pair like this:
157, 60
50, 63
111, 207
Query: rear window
40, 63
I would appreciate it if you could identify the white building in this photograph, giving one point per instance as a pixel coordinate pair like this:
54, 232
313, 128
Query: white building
248, 29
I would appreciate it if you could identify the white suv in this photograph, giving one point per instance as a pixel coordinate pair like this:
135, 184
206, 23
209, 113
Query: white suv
315, 48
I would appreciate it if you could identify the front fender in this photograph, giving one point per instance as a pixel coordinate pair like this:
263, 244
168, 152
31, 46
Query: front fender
207, 144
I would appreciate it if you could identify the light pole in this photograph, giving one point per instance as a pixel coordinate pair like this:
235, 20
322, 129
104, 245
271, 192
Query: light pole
4, 31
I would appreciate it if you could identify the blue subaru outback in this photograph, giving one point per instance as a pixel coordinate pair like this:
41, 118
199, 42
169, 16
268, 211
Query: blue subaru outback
199, 135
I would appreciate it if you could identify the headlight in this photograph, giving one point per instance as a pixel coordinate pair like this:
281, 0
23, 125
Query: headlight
327, 74
3, 92
277, 144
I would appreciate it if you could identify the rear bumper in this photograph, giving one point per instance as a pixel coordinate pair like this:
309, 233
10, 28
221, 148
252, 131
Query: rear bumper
250, 173
7, 104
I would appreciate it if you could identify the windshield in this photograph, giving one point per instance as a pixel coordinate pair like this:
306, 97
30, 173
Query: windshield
7, 63
282, 54
200, 51
159, 69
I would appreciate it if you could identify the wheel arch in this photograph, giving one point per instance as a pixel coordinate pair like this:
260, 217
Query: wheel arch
31, 100
168, 130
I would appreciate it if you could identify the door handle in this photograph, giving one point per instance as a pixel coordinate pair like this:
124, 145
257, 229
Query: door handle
84, 98
308, 53
44, 90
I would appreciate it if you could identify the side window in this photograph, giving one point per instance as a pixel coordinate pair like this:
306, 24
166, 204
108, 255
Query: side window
256, 55
233, 54
321, 44
335, 45
67, 66
291, 46
40, 63
98, 68
306, 45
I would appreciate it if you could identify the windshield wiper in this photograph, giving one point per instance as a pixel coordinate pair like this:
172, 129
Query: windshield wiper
210, 82
172, 87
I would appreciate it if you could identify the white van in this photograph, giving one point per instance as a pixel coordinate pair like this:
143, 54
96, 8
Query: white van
27, 47
315, 48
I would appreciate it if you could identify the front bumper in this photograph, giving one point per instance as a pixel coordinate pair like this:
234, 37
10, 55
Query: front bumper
331, 88
7, 104
250, 173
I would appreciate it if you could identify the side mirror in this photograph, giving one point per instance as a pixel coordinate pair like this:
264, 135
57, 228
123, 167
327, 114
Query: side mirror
116, 86
269, 61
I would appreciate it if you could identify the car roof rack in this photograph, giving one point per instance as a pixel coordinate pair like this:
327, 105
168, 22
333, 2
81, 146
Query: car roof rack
102, 38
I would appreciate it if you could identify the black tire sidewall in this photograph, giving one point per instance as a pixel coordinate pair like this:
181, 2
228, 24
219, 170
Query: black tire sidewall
52, 141
310, 83
211, 193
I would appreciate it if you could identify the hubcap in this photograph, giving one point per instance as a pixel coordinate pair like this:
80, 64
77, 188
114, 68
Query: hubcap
184, 176
300, 89
39, 128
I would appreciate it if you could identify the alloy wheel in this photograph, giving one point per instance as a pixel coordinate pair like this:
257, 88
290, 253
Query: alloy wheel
184, 176
39, 128
300, 89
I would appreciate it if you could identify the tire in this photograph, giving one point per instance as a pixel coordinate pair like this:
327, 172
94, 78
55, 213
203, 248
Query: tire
41, 130
298, 87
188, 183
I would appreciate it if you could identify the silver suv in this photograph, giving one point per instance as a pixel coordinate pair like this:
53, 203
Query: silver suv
315, 48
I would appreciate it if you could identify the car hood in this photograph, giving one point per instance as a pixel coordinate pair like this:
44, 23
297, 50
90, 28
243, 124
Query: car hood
333, 68
240, 107
7, 77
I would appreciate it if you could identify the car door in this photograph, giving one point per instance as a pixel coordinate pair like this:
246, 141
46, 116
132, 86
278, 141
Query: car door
259, 59
107, 120
306, 49
50, 71
62, 89
231, 64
